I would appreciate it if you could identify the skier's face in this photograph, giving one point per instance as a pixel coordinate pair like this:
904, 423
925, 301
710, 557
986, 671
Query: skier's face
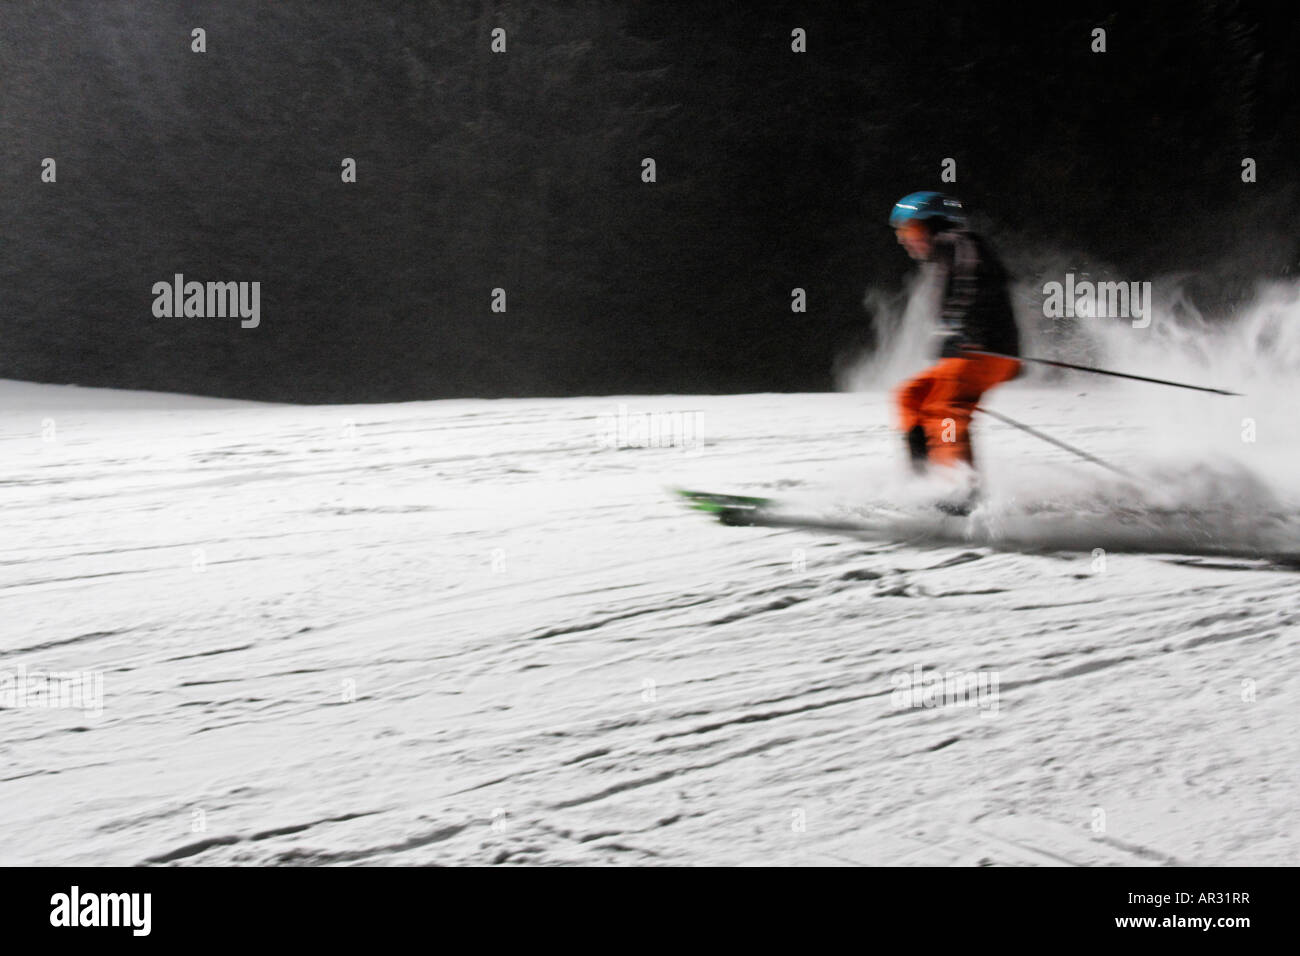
915, 238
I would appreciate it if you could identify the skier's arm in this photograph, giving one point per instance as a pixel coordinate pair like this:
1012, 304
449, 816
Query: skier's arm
958, 262
963, 285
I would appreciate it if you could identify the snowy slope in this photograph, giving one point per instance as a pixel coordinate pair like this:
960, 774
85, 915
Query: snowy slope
480, 631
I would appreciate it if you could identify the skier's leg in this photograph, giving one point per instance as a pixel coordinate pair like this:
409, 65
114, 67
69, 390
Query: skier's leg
909, 400
918, 448
952, 402
958, 385
947, 411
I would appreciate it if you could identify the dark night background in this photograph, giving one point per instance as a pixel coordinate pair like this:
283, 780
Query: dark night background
522, 171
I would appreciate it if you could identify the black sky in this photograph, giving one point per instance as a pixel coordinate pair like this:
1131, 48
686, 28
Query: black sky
522, 171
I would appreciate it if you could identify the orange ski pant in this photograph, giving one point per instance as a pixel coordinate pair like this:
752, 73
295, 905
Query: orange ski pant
942, 398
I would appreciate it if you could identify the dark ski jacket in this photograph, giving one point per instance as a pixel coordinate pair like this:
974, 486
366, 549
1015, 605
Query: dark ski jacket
976, 310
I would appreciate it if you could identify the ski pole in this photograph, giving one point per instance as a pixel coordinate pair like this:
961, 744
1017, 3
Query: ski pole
1059, 444
1103, 371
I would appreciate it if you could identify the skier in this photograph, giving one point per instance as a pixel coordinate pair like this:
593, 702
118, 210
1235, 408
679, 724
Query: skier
935, 407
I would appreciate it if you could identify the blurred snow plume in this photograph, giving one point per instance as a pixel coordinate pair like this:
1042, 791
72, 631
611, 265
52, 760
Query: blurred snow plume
1177, 507
1213, 472
1260, 340
904, 326
1258, 344
1183, 506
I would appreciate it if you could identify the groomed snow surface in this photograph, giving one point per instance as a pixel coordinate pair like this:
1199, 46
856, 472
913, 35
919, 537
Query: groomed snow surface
475, 632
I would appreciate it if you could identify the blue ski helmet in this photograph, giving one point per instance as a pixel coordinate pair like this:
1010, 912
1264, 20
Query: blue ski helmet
926, 205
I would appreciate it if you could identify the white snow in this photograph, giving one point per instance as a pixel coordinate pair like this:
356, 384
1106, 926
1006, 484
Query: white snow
553, 662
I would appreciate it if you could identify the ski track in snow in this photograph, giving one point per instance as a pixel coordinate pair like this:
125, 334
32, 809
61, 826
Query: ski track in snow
553, 662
